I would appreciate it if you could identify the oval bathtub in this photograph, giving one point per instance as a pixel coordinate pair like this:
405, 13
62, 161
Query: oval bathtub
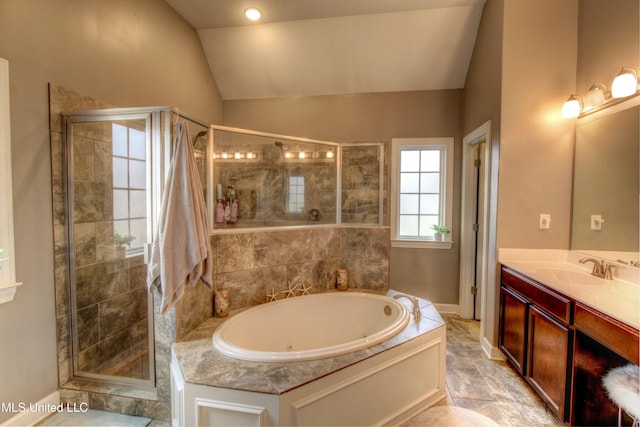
311, 327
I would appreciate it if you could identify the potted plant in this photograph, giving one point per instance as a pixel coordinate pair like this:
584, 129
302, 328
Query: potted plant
119, 241
440, 231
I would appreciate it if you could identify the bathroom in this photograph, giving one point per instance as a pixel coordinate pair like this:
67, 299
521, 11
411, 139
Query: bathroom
144, 53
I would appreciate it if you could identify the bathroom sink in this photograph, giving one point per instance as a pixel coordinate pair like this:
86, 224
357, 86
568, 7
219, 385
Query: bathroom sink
571, 277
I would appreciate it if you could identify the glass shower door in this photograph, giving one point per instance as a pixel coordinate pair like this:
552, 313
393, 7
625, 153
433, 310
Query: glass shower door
109, 210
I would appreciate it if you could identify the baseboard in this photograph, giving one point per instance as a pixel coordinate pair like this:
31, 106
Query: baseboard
490, 350
447, 308
28, 414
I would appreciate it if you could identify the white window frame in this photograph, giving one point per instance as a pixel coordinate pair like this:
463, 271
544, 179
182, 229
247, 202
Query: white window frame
446, 144
8, 283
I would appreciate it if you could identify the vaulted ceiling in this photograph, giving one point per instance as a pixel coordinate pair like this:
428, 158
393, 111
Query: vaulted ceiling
327, 47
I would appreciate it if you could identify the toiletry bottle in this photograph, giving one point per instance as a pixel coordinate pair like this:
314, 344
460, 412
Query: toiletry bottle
227, 212
219, 211
234, 211
221, 303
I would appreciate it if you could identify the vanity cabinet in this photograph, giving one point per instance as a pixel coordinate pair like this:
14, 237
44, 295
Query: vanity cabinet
513, 330
563, 348
535, 337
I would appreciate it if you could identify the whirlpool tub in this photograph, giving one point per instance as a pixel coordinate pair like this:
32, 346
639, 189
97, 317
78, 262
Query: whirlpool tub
311, 327
340, 358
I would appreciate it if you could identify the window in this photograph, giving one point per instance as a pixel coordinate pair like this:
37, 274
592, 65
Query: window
296, 194
129, 185
422, 191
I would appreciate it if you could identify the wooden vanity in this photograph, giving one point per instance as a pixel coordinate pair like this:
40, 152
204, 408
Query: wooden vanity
562, 347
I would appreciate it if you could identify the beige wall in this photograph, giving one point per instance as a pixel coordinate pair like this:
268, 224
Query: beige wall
428, 273
536, 143
122, 52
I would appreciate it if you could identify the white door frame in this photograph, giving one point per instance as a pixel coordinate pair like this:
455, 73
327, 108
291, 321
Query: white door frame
467, 246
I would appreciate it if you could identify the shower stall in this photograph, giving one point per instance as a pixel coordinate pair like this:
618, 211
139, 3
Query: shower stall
262, 179
115, 162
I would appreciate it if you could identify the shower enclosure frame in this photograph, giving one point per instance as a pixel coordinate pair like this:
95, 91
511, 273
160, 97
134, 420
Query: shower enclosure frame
158, 150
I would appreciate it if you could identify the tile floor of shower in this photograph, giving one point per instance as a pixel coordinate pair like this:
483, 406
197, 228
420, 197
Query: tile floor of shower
474, 382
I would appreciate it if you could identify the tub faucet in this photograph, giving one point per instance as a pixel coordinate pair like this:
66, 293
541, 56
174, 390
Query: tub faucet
416, 305
598, 267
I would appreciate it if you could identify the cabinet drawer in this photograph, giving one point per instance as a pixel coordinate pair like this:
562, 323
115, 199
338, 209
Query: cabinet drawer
551, 302
617, 336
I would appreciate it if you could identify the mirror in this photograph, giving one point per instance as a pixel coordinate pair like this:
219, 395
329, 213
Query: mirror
606, 185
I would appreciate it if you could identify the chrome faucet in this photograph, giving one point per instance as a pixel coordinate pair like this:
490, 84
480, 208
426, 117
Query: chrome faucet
416, 305
598, 266
601, 269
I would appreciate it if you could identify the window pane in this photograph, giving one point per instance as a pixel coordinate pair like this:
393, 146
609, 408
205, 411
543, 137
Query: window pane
430, 182
426, 221
138, 208
409, 161
430, 160
119, 137
137, 144
408, 225
429, 204
120, 204
138, 229
409, 183
120, 172
409, 204
121, 227
137, 174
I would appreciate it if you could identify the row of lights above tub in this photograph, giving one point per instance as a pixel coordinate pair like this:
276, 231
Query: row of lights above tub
624, 85
250, 155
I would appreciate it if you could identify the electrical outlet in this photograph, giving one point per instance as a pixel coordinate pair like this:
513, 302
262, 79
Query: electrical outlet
596, 222
545, 221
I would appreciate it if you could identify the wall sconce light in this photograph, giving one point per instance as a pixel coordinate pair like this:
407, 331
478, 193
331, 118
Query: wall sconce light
330, 154
625, 83
572, 107
596, 97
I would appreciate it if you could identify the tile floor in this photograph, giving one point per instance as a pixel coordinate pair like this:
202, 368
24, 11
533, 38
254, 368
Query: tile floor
474, 382
489, 387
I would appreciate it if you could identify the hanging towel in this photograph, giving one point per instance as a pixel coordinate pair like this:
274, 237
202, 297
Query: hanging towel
181, 251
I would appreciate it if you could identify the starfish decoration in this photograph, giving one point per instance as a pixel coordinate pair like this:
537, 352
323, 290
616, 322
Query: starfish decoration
272, 296
290, 291
304, 289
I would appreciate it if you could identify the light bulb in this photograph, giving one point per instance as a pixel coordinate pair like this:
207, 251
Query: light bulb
625, 83
596, 96
329, 154
252, 14
572, 107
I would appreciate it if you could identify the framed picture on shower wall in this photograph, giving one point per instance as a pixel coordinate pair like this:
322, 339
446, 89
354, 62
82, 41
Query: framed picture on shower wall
8, 284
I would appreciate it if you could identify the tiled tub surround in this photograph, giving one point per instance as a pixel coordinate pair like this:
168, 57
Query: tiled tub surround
251, 264
221, 380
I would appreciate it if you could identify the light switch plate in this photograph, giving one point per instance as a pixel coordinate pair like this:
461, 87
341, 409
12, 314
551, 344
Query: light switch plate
545, 221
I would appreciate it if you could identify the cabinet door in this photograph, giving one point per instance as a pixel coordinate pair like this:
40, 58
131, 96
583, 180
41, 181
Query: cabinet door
513, 328
548, 360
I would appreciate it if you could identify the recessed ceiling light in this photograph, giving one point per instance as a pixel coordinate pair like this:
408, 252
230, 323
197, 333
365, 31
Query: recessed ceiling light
252, 13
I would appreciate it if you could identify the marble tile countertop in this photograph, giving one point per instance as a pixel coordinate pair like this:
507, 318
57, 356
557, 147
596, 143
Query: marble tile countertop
560, 270
201, 364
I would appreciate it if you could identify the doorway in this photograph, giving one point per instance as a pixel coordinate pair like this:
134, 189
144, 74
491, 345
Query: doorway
474, 222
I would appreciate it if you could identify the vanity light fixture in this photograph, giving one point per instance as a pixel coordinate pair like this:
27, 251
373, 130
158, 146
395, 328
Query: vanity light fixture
252, 14
625, 83
596, 97
572, 107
